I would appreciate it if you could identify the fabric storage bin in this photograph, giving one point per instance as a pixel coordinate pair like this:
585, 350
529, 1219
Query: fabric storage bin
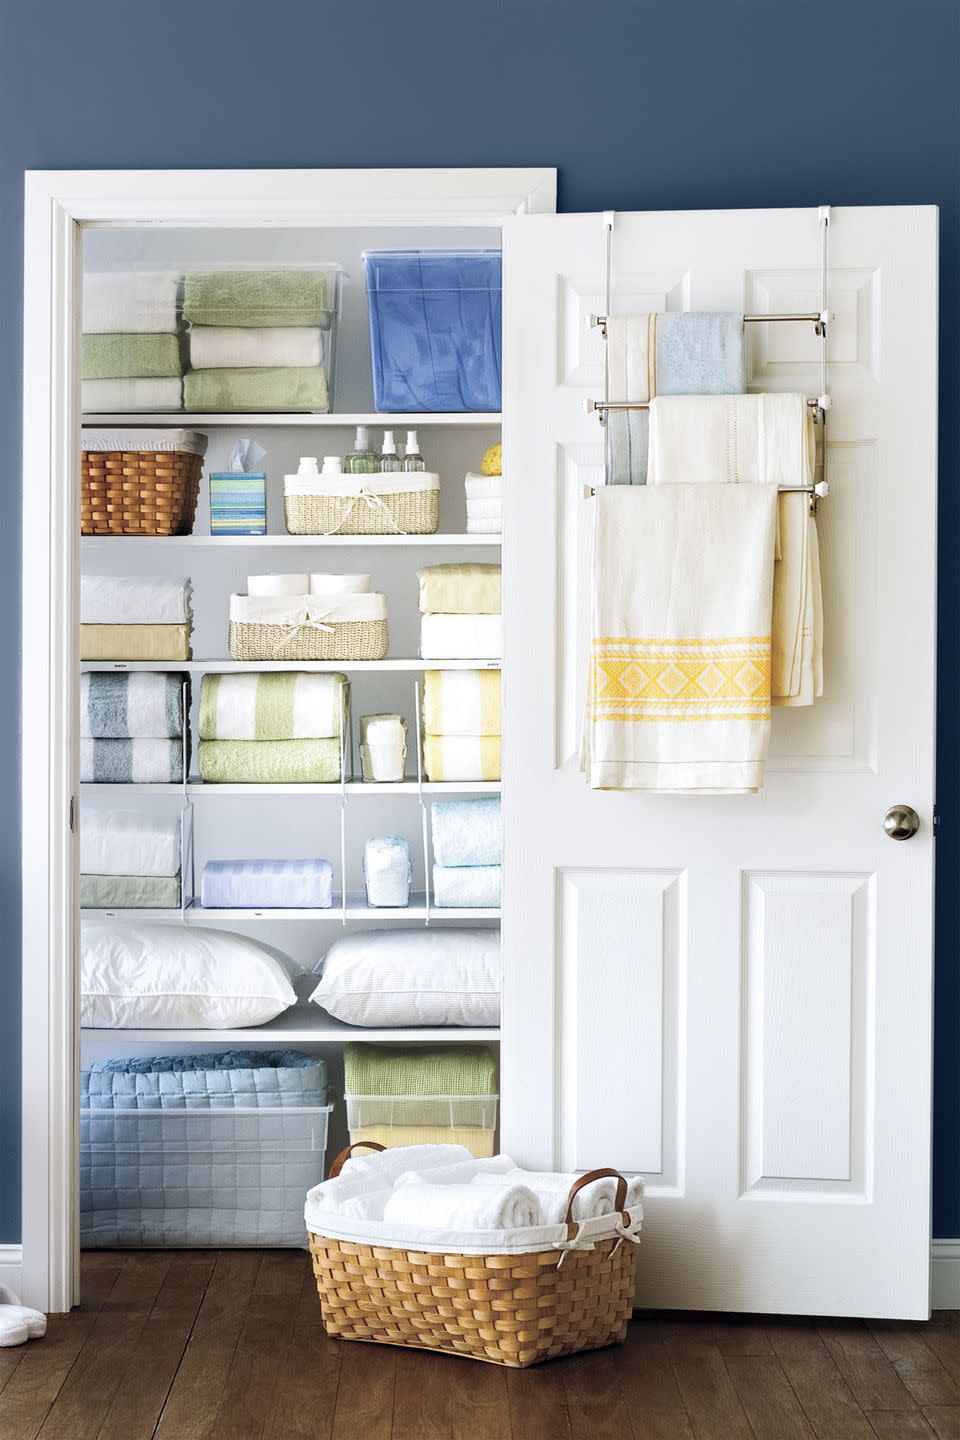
140, 482
476, 1112
435, 329
308, 627
200, 1150
513, 1298
404, 504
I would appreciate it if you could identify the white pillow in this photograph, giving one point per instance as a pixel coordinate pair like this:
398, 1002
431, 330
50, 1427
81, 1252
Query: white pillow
412, 977
154, 976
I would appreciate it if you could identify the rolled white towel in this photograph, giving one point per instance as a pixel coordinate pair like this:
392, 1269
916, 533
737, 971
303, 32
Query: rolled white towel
369, 1206
460, 1174
552, 1191
388, 1164
462, 1207
334, 1194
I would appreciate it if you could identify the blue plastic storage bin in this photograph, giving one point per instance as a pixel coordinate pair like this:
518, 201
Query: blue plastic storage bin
435, 328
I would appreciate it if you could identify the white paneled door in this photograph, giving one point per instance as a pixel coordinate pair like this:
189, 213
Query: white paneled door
732, 995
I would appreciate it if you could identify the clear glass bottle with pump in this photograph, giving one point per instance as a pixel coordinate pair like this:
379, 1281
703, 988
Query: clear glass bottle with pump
361, 459
390, 462
412, 459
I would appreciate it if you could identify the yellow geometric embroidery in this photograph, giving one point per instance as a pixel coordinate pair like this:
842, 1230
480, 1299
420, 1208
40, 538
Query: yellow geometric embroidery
720, 678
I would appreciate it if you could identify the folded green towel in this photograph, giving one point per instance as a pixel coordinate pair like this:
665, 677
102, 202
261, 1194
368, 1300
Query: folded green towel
129, 357
270, 762
265, 387
257, 297
402, 1070
129, 892
279, 705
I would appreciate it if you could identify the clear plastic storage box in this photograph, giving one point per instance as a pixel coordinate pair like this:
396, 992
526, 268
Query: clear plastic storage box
198, 1177
435, 329
391, 1120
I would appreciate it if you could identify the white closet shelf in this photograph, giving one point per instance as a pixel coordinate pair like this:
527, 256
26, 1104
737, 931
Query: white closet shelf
196, 786
357, 909
224, 667
297, 542
182, 420
300, 1025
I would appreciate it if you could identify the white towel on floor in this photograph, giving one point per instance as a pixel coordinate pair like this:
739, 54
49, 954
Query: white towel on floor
100, 397
462, 1174
128, 842
679, 685
391, 1163
135, 600
134, 303
463, 1207
213, 347
553, 1190
461, 637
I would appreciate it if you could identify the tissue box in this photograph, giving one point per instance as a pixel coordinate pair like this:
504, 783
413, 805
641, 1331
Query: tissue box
238, 503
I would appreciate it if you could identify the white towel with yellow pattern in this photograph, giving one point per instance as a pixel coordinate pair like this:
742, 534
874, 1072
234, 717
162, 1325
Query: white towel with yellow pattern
751, 439
679, 685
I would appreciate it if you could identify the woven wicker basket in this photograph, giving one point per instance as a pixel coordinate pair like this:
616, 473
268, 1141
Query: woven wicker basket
404, 512
513, 1310
340, 640
139, 492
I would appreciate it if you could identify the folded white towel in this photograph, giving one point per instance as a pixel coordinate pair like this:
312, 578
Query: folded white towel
334, 1194
128, 842
484, 509
460, 1174
141, 302
484, 527
135, 600
99, 397
552, 1190
213, 347
391, 1163
461, 637
724, 439
369, 1206
463, 1207
483, 487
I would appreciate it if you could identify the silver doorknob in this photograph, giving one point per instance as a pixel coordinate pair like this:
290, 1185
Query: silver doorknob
901, 822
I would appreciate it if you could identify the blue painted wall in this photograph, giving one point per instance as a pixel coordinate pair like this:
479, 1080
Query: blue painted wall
657, 104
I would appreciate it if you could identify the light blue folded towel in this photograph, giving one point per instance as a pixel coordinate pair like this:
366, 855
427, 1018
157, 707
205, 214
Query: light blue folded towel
467, 832
387, 871
267, 885
470, 887
697, 352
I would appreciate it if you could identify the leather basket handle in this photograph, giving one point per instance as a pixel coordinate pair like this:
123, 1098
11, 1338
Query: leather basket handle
620, 1202
344, 1155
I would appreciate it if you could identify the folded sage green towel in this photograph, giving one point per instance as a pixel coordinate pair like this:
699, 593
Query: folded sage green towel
265, 387
270, 762
257, 297
129, 357
402, 1070
129, 892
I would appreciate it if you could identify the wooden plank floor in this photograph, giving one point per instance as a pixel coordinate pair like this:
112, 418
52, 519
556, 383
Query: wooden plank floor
206, 1345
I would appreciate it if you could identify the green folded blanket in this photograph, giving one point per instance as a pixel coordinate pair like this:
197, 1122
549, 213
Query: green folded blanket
270, 762
401, 1070
129, 357
264, 387
257, 297
129, 892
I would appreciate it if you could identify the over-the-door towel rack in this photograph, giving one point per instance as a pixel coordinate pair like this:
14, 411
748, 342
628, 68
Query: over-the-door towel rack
818, 318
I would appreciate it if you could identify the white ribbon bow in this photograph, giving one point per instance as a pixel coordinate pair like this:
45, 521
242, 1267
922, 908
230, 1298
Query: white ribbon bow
306, 622
372, 502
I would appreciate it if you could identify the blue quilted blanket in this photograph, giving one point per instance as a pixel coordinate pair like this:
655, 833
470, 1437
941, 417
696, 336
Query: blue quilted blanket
231, 1079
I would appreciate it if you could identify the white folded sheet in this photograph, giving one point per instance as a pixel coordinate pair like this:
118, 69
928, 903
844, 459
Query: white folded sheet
134, 303
135, 600
461, 637
128, 842
466, 1207
213, 347
99, 397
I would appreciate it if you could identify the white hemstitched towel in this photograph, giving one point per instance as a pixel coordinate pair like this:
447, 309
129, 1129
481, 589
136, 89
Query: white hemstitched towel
750, 439
679, 683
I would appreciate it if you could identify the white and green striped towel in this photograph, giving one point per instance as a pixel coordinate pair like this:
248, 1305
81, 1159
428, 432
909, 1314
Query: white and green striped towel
282, 705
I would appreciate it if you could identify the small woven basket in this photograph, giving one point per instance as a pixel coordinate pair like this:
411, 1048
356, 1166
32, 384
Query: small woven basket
512, 1310
405, 512
338, 640
139, 492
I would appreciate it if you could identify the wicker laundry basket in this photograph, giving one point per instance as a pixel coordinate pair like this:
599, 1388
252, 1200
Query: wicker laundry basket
140, 484
308, 627
373, 505
512, 1310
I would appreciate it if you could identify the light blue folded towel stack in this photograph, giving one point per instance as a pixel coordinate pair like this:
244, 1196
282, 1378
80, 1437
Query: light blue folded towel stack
678, 352
467, 853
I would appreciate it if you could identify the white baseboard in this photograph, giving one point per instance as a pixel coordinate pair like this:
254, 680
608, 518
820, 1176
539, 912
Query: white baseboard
11, 1266
945, 1275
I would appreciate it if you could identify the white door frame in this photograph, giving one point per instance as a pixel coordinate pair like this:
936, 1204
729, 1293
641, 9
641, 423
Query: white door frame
57, 205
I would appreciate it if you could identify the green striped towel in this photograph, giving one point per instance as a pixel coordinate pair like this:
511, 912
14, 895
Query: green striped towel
272, 705
403, 1070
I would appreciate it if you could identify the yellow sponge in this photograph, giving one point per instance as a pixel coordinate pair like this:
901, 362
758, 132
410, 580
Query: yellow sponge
492, 462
